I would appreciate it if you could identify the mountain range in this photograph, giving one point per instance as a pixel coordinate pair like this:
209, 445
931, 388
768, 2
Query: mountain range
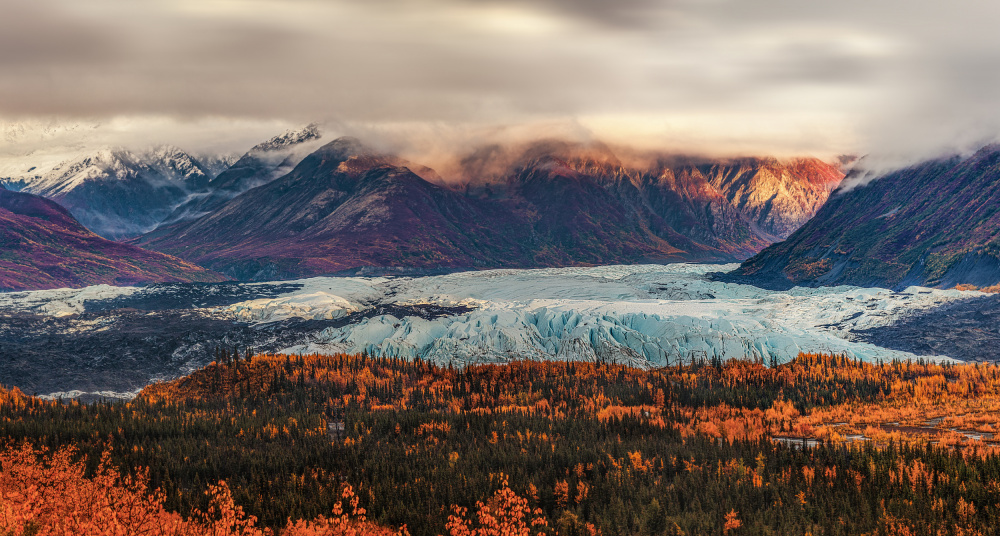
936, 223
293, 207
42, 246
119, 193
773, 197
348, 208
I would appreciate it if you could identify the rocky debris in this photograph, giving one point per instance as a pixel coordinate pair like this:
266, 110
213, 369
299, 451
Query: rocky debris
165, 296
968, 330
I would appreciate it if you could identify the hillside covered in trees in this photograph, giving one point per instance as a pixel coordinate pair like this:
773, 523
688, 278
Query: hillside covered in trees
353, 444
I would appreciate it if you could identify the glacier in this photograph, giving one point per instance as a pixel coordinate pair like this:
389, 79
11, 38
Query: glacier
108, 342
645, 315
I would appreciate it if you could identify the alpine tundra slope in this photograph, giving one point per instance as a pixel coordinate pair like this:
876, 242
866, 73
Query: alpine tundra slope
111, 341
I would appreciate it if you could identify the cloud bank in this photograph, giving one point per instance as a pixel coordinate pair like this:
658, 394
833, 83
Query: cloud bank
780, 76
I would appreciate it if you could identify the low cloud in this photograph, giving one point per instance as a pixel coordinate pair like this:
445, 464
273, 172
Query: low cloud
901, 79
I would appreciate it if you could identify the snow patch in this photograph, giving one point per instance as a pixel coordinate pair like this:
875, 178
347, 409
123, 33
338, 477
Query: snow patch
60, 302
321, 298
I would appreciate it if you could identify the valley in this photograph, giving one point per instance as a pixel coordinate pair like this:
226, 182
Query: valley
499, 268
112, 341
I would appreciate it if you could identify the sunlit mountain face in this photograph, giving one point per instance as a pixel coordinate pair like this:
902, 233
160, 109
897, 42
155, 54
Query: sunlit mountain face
931, 224
347, 207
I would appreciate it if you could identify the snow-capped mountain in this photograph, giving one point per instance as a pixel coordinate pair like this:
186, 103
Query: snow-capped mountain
215, 164
178, 166
120, 193
264, 163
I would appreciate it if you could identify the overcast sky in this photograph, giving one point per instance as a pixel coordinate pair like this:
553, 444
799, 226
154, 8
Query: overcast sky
895, 77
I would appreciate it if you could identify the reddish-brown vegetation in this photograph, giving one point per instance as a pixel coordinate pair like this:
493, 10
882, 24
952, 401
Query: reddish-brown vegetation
42, 246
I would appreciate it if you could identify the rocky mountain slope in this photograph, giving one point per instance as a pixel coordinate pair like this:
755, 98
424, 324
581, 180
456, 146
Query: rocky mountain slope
43, 246
261, 165
776, 196
689, 215
936, 223
735, 205
346, 207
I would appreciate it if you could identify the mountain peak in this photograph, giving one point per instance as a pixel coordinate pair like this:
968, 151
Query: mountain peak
289, 138
175, 164
109, 157
107, 162
166, 151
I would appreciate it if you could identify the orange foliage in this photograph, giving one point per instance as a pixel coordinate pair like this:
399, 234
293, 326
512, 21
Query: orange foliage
504, 514
910, 402
991, 289
46, 493
562, 494
732, 522
349, 521
964, 398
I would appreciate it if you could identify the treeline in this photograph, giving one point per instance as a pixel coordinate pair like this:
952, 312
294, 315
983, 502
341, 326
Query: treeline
590, 447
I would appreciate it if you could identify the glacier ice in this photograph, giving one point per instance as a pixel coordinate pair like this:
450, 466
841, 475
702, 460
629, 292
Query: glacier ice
647, 315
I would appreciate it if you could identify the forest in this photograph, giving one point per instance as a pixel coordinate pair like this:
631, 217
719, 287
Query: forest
355, 444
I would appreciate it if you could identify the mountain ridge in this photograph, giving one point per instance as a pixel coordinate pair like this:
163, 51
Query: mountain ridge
44, 247
263, 163
347, 207
118, 193
935, 223
121, 193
